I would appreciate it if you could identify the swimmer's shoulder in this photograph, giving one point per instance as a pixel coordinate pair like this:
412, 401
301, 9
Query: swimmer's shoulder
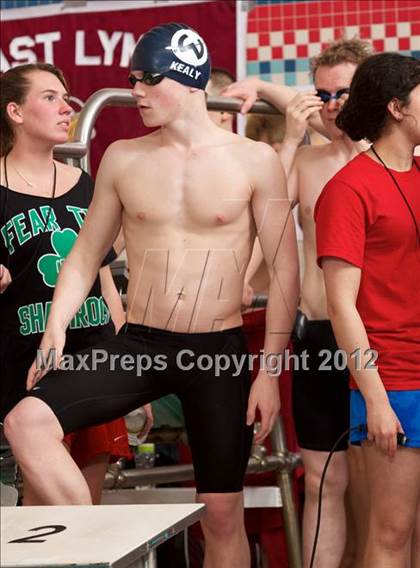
252, 149
259, 155
130, 145
122, 153
308, 155
256, 159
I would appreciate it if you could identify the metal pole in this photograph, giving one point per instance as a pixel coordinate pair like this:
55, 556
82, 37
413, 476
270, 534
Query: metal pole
150, 560
284, 481
79, 149
123, 479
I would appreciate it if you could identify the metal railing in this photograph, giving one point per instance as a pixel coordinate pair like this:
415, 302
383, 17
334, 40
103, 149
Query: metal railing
117, 478
79, 150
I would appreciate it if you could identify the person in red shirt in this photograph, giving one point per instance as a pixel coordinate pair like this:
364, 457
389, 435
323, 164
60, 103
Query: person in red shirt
368, 241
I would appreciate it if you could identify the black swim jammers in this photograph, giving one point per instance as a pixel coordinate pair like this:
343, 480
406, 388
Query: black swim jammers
142, 364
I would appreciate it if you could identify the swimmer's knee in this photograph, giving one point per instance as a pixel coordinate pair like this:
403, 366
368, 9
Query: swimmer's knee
28, 417
335, 482
224, 513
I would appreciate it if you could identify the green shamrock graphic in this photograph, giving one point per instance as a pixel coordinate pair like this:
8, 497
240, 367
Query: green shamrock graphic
49, 264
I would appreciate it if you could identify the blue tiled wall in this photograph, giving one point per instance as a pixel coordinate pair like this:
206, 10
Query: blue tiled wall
25, 3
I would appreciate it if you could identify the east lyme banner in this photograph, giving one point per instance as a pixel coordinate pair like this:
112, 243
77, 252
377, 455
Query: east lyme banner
93, 44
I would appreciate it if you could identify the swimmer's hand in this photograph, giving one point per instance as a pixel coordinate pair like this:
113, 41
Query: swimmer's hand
265, 396
148, 424
247, 90
298, 112
5, 278
344, 97
247, 296
48, 357
383, 427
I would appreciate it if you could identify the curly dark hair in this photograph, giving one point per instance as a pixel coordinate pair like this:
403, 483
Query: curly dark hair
376, 82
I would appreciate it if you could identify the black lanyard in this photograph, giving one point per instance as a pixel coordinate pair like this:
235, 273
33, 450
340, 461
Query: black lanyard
400, 190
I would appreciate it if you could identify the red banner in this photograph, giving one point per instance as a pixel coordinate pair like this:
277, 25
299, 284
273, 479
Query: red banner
94, 48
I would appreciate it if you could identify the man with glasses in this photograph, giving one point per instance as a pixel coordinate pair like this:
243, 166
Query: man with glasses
320, 391
190, 197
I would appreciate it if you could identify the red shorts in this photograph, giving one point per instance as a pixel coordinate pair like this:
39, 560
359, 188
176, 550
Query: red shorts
110, 438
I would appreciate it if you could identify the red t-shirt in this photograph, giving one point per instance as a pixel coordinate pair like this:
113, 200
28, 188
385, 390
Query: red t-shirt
361, 218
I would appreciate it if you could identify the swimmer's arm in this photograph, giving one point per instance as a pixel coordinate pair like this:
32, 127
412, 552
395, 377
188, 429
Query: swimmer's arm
281, 96
303, 154
99, 231
301, 109
253, 88
253, 266
287, 154
342, 282
293, 182
276, 232
112, 297
119, 243
255, 261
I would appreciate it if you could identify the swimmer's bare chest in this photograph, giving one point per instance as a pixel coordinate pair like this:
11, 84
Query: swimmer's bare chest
189, 230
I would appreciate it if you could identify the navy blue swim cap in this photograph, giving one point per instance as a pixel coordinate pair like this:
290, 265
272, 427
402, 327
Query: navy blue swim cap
175, 51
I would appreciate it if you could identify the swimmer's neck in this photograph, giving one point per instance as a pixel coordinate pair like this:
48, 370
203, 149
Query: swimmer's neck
343, 145
189, 130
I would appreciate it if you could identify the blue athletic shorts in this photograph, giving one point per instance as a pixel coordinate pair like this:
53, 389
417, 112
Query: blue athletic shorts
406, 405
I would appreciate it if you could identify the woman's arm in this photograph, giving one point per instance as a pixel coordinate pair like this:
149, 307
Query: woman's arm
5, 278
342, 281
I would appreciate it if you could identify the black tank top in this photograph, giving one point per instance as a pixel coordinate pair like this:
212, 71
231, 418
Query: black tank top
34, 242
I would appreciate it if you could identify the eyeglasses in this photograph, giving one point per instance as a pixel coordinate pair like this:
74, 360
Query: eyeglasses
325, 96
147, 78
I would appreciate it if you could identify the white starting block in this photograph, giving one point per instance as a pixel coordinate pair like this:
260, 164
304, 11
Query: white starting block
8, 495
96, 536
254, 497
